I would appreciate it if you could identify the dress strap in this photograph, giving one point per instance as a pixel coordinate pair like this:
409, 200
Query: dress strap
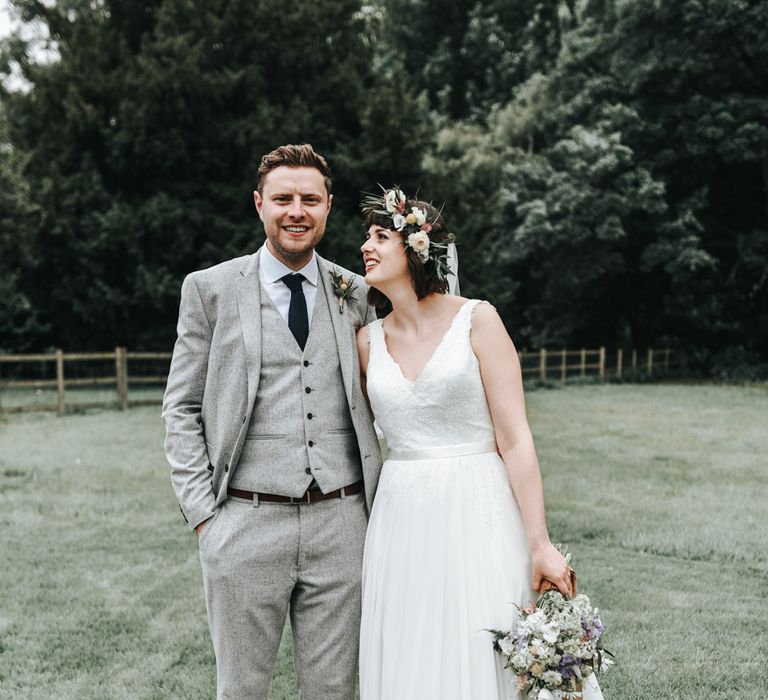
464, 316
375, 335
374, 330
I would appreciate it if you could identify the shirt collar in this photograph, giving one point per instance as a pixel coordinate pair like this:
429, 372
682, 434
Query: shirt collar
274, 270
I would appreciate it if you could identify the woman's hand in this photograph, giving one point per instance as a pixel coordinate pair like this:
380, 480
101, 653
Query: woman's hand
548, 563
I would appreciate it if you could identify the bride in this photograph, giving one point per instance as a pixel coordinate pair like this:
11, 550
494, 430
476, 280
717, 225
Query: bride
457, 534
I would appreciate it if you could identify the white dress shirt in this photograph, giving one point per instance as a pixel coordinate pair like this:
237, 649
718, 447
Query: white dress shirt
271, 272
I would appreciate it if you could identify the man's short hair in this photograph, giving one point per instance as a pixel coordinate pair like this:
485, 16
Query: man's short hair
294, 156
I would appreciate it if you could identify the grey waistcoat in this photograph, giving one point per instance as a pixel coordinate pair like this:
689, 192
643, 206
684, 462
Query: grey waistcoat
300, 427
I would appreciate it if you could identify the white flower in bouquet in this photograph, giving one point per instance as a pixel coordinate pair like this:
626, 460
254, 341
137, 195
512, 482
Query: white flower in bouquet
541, 650
507, 645
521, 659
552, 678
550, 631
534, 622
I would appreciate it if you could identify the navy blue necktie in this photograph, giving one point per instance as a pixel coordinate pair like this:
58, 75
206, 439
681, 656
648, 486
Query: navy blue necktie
298, 321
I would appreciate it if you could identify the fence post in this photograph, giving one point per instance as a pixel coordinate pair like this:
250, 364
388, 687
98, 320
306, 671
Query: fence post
563, 366
583, 362
619, 361
60, 382
543, 363
602, 363
666, 359
650, 361
121, 377
634, 359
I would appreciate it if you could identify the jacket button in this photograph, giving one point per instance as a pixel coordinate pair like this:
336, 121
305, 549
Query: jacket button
306, 363
310, 443
309, 416
308, 470
308, 390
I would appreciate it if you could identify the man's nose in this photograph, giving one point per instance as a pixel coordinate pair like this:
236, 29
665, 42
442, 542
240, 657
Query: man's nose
296, 209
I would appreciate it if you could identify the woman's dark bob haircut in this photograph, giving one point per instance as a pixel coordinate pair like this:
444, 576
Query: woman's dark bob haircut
423, 275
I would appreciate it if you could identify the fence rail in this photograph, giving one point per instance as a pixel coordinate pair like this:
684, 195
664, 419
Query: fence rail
78, 371
112, 370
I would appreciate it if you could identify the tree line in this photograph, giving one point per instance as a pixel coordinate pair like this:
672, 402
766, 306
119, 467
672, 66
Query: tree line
603, 163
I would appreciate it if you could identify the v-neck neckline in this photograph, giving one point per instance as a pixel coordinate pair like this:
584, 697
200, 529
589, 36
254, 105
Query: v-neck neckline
431, 357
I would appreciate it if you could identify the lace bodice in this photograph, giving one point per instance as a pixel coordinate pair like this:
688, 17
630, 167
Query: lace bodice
445, 406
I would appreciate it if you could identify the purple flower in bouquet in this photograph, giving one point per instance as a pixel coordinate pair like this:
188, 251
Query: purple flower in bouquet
591, 624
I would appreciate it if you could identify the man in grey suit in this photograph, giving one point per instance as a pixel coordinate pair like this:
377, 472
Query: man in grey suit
274, 459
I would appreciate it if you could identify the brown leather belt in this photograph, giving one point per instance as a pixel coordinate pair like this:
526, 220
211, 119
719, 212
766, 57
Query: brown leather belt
308, 497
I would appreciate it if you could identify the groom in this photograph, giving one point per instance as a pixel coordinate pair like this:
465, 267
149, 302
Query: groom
274, 459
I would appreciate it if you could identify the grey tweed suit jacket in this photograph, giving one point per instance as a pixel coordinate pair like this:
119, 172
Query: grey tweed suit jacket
214, 379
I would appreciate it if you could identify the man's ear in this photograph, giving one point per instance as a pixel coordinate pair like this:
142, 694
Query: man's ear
259, 202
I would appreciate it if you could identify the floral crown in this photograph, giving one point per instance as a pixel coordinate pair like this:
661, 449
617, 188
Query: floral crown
410, 219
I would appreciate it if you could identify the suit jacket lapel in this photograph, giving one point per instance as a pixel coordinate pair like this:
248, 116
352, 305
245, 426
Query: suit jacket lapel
249, 307
342, 327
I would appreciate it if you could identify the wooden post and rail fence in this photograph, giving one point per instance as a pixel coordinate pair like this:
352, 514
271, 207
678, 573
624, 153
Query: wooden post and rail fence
542, 364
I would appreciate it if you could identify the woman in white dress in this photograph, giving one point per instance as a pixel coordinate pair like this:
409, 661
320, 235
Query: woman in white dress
457, 534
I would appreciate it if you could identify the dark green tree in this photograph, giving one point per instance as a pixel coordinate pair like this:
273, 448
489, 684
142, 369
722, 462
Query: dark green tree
693, 78
666, 228
19, 321
468, 55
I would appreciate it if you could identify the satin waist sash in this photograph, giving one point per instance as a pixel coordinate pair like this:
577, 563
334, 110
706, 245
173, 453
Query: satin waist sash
442, 451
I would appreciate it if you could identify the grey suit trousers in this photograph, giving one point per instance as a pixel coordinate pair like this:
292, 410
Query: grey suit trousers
258, 564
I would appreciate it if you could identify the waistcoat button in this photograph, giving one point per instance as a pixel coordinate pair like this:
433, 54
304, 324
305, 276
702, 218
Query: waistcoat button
307, 389
310, 443
306, 363
309, 416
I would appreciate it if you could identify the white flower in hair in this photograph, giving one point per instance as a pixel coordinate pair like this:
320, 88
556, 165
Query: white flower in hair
398, 221
420, 214
393, 198
419, 241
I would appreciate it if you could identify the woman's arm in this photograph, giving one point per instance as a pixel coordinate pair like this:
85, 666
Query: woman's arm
502, 380
363, 349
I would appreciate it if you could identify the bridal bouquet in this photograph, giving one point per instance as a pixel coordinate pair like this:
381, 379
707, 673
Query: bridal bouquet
555, 646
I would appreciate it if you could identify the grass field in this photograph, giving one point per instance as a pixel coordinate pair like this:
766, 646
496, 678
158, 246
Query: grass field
659, 490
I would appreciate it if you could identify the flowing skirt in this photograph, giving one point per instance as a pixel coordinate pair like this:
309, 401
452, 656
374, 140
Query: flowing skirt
446, 559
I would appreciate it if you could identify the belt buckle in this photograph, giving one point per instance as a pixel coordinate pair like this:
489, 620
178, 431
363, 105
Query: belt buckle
301, 499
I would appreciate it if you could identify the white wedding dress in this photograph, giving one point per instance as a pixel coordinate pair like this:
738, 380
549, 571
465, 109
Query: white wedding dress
446, 555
